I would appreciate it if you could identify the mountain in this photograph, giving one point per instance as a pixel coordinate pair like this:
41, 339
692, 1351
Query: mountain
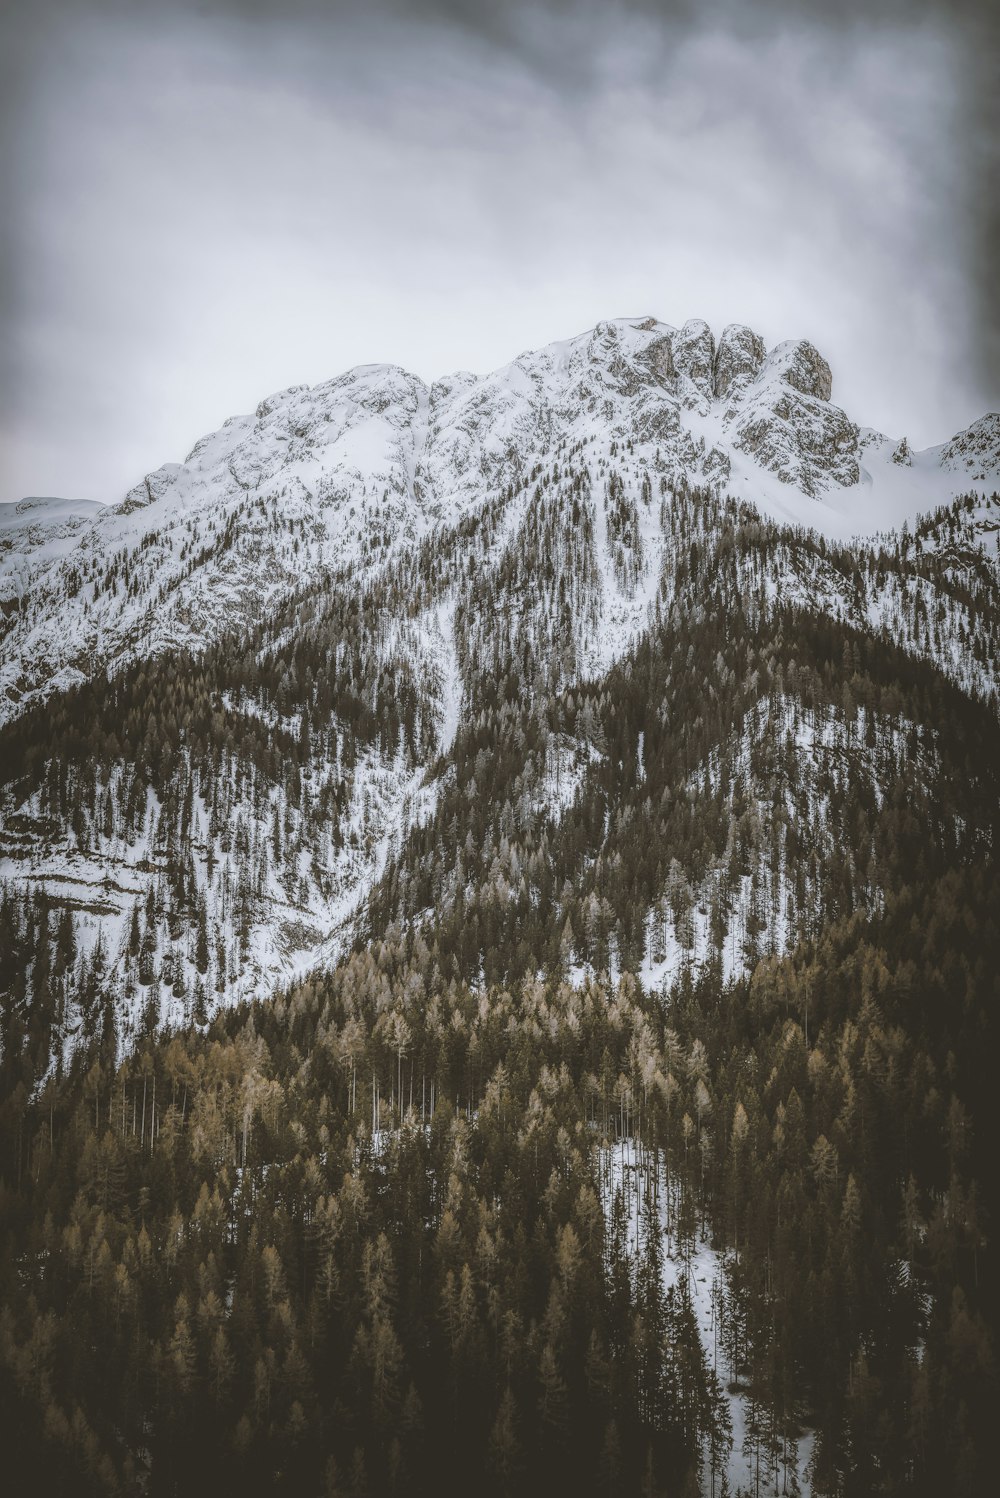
498, 943
239, 701
357, 471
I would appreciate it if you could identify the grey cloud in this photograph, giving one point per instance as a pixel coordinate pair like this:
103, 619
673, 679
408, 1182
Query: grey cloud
210, 199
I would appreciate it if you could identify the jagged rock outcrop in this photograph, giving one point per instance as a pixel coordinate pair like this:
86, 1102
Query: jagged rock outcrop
975, 453
784, 420
803, 367
738, 360
693, 351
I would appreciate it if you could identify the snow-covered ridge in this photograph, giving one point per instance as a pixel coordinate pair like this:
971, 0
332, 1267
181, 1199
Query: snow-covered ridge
355, 472
35, 532
419, 548
45, 511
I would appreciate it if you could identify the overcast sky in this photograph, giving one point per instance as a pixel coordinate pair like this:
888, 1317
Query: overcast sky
203, 202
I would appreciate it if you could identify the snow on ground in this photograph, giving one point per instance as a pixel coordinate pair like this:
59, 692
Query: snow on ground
35, 533
41, 513
346, 476
567, 761
438, 642
679, 932
302, 915
703, 1268
625, 613
886, 496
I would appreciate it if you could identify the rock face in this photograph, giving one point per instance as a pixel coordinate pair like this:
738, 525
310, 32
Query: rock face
803, 367
694, 361
784, 420
342, 475
738, 360
976, 451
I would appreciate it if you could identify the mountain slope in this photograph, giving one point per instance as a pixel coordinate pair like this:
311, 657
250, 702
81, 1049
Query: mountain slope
498, 944
357, 664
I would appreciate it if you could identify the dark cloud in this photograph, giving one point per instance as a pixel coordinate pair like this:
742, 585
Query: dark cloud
205, 198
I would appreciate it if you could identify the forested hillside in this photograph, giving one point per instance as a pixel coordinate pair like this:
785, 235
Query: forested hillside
363, 1238
437, 748
507, 1005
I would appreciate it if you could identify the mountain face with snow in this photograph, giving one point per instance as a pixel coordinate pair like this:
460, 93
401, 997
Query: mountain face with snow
498, 942
241, 704
349, 474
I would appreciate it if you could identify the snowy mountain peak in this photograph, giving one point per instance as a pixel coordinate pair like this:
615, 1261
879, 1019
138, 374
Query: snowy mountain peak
386, 554
802, 366
348, 475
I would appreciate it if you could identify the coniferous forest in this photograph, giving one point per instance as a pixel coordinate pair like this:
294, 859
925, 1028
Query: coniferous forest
369, 1237
634, 1137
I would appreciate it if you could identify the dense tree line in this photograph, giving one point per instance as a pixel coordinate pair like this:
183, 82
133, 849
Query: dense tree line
359, 1239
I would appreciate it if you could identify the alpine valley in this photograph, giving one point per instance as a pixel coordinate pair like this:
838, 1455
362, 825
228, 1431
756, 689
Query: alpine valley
500, 942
